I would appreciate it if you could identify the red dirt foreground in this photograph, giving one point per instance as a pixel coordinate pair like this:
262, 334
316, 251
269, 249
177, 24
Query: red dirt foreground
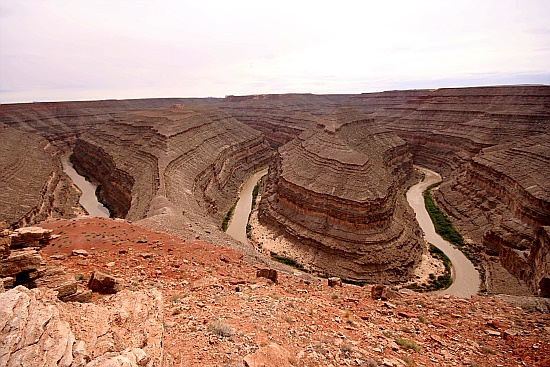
216, 312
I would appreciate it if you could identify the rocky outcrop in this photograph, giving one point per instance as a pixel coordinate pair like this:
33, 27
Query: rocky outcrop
38, 330
33, 186
539, 257
503, 200
104, 283
170, 161
335, 192
22, 264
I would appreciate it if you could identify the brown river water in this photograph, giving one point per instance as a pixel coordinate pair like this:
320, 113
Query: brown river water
88, 199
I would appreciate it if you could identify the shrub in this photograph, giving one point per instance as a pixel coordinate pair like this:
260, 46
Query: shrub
228, 217
442, 224
407, 344
288, 261
346, 350
220, 328
80, 277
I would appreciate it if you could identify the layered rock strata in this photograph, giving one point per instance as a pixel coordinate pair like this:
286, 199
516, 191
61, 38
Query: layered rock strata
451, 130
335, 192
22, 264
34, 137
503, 201
445, 128
38, 330
170, 161
33, 186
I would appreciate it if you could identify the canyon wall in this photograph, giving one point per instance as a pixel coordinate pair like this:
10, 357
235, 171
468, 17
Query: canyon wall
502, 201
183, 163
163, 161
489, 143
499, 203
492, 145
33, 186
445, 128
335, 192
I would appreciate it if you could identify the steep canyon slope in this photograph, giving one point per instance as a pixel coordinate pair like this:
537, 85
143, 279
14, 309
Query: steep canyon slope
176, 168
335, 192
490, 143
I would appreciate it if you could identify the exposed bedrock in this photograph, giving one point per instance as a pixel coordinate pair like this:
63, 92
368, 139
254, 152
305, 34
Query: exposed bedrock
170, 161
335, 192
33, 186
445, 128
277, 124
539, 258
503, 201
114, 186
57, 120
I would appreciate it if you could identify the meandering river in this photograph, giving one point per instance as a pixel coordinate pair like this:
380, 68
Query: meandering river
237, 225
465, 276
88, 199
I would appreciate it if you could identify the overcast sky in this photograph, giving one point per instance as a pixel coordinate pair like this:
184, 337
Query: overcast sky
78, 49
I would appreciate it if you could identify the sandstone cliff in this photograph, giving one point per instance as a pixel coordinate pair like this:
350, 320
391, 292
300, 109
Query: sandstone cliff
170, 162
335, 192
502, 201
32, 183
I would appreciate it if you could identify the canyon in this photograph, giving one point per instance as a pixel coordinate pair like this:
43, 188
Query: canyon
344, 208
176, 164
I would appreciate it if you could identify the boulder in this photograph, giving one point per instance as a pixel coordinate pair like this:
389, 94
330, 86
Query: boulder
30, 237
80, 253
270, 274
20, 261
379, 291
334, 281
104, 283
81, 295
57, 279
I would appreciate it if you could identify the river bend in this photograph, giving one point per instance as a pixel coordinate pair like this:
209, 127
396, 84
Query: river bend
237, 225
465, 276
88, 199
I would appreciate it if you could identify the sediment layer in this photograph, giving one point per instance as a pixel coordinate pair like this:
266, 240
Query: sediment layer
33, 186
169, 161
453, 131
333, 192
503, 201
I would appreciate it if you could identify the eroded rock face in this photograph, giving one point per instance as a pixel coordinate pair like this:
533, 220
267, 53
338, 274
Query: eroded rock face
334, 191
160, 161
503, 200
457, 132
32, 184
446, 127
539, 257
37, 329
